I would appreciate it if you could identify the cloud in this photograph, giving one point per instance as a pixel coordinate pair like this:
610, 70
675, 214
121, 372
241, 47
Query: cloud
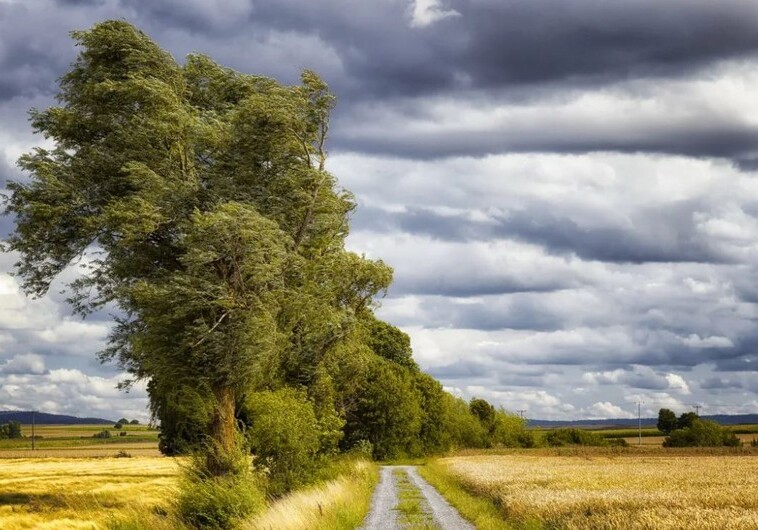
71, 391
427, 12
604, 409
28, 363
641, 377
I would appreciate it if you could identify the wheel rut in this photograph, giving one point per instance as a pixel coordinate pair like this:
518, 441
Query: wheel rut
403, 500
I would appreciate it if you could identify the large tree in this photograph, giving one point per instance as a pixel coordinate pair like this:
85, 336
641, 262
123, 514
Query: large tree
199, 200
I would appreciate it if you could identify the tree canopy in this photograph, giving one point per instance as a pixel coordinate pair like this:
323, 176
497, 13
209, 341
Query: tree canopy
200, 200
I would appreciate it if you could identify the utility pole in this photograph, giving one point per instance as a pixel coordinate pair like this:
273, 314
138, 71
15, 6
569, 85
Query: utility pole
639, 422
697, 409
34, 412
521, 413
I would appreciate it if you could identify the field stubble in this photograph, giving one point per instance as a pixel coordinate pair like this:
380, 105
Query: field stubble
617, 492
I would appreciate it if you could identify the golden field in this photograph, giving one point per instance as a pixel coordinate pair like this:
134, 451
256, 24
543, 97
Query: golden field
596, 491
79, 493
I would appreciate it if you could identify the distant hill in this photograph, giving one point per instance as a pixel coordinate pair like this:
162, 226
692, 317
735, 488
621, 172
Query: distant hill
43, 418
625, 423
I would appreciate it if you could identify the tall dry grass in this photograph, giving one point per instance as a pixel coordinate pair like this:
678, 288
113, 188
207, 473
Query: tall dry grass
602, 492
338, 504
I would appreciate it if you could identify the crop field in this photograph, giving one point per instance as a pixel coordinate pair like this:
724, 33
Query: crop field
73, 493
631, 491
79, 441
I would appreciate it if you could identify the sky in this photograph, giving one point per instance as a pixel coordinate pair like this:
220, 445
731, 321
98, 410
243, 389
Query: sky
567, 189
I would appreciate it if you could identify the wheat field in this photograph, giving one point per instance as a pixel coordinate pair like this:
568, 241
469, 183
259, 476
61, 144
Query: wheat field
616, 492
79, 493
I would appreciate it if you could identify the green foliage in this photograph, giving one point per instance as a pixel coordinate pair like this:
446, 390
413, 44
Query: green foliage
384, 407
10, 431
484, 412
686, 420
118, 425
123, 421
284, 436
464, 428
389, 342
702, 433
218, 502
220, 234
102, 434
134, 422
509, 430
572, 436
667, 421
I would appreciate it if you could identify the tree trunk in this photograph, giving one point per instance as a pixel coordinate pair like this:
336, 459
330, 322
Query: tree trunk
221, 458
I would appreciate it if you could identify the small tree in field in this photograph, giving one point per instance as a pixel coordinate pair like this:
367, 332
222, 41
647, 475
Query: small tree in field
667, 421
686, 420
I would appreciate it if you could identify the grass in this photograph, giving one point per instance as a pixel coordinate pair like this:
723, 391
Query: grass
667, 491
337, 504
414, 512
138, 494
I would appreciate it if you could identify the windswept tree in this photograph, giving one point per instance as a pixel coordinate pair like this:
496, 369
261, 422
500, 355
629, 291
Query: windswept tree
199, 199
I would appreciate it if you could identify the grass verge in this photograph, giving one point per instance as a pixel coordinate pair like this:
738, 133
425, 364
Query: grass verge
483, 512
338, 504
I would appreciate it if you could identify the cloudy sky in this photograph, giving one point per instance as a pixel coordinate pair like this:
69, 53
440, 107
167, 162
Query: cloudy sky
567, 189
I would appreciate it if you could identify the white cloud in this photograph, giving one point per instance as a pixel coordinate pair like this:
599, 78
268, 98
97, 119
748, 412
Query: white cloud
28, 363
694, 340
427, 12
604, 410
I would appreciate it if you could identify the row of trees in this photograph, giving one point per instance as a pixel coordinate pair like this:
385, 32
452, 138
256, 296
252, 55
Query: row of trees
210, 225
688, 430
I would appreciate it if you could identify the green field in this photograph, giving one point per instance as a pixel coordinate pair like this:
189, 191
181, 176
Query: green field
79, 440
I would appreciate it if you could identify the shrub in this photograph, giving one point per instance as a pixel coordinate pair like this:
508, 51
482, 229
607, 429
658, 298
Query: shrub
618, 442
123, 454
284, 436
11, 430
122, 433
118, 425
702, 433
573, 436
102, 434
218, 503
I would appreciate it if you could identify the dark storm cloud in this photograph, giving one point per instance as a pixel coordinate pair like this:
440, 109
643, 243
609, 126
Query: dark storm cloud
459, 285
512, 41
549, 46
654, 235
497, 43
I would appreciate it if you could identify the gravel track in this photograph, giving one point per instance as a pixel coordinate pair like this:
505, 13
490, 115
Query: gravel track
383, 515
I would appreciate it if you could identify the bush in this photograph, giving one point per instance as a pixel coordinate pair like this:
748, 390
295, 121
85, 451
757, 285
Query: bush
11, 430
702, 433
218, 503
118, 425
102, 434
122, 433
618, 442
284, 436
123, 454
572, 436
